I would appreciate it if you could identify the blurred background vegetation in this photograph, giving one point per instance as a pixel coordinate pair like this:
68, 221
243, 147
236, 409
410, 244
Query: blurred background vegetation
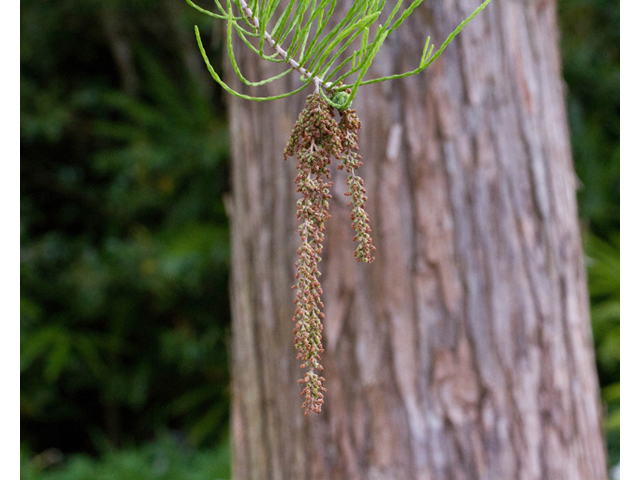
125, 243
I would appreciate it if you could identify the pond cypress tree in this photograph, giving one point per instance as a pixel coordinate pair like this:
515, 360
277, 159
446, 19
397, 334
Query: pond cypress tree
465, 350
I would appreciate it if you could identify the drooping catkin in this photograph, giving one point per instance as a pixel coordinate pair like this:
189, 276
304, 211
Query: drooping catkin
314, 140
351, 160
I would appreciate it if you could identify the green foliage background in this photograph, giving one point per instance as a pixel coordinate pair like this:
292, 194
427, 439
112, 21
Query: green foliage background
125, 243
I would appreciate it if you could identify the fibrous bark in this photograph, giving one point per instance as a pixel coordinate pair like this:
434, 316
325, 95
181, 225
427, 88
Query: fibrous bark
464, 351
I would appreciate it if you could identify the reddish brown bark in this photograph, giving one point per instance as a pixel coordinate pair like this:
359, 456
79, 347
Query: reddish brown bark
464, 351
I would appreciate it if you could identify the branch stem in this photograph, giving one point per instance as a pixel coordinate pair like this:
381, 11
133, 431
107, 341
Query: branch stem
283, 53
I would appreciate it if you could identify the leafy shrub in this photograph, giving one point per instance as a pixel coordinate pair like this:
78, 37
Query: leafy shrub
164, 459
603, 261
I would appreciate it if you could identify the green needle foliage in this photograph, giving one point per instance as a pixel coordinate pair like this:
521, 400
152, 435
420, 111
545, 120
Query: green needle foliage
298, 37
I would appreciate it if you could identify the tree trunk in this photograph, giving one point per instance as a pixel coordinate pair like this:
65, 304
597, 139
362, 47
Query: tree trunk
464, 351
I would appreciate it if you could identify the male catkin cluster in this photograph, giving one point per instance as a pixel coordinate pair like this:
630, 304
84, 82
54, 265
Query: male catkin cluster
315, 139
